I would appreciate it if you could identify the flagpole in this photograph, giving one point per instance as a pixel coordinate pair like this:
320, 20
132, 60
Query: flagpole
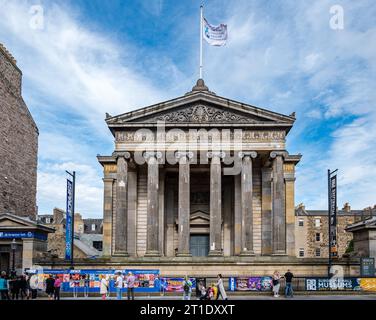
201, 36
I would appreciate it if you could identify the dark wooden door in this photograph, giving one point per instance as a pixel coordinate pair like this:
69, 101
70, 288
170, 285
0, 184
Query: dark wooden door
199, 245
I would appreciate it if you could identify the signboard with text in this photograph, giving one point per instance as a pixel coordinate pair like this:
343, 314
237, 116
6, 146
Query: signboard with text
333, 216
69, 221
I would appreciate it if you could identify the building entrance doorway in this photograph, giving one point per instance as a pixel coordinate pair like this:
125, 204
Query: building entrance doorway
4, 261
199, 245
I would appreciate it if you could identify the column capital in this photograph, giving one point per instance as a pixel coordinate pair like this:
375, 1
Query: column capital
184, 154
216, 154
243, 154
276, 153
118, 154
108, 179
152, 154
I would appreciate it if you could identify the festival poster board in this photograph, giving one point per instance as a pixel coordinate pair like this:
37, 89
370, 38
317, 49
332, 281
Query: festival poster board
175, 284
89, 280
367, 284
250, 284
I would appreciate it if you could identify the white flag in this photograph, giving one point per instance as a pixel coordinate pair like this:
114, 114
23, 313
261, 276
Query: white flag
215, 35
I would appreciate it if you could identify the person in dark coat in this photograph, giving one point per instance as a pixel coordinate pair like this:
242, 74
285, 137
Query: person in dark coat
14, 285
23, 287
50, 288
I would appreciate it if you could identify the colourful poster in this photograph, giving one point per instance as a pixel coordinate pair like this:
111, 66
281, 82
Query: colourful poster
253, 284
368, 284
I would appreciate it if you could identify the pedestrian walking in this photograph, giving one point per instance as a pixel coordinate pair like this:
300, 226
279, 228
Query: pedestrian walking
50, 289
276, 278
130, 285
4, 286
119, 286
104, 287
288, 289
23, 287
57, 286
14, 285
221, 288
187, 288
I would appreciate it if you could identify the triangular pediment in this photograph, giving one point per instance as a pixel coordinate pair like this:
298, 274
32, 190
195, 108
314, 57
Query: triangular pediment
11, 221
199, 217
200, 108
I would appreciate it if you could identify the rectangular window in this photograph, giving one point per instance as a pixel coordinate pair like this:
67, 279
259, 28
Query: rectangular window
301, 222
301, 252
98, 245
318, 252
48, 220
93, 227
317, 222
318, 236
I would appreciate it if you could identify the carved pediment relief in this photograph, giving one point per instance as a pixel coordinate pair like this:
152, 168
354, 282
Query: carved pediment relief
201, 113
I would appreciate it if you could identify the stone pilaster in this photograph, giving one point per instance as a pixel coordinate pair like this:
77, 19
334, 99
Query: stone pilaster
107, 216
132, 211
215, 204
278, 204
121, 203
237, 215
289, 175
152, 239
161, 209
246, 203
184, 203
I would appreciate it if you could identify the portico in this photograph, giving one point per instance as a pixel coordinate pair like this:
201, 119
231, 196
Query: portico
199, 175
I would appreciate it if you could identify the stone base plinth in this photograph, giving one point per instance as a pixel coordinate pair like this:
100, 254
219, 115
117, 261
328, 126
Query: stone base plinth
211, 266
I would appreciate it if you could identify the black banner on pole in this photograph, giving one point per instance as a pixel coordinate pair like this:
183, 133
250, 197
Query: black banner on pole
333, 216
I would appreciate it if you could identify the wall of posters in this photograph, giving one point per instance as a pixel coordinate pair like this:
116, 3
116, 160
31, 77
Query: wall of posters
250, 284
89, 280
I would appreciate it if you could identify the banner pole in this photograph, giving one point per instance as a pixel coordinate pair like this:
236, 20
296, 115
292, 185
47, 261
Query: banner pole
201, 36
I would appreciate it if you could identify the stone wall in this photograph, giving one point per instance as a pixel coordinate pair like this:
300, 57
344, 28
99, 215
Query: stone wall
306, 235
18, 143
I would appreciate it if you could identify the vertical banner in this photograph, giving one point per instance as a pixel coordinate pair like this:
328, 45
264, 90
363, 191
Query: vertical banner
333, 216
69, 221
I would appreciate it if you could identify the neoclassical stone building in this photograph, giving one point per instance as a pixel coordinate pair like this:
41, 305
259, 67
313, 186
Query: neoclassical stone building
199, 176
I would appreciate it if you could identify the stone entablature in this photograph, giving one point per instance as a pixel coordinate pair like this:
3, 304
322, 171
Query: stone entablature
149, 200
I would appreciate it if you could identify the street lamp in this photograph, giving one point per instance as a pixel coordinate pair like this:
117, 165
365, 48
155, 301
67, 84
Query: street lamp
13, 247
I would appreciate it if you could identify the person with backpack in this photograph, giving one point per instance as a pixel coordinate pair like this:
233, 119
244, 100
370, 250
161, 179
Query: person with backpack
187, 287
4, 286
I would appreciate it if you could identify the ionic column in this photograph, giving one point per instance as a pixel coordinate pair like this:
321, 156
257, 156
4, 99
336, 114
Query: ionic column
278, 204
152, 239
121, 204
246, 203
184, 203
215, 204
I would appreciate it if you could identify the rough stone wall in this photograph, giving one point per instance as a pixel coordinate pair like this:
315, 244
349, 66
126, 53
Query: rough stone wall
18, 144
343, 237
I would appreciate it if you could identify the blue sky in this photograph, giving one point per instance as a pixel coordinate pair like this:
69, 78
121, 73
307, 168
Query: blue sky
93, 57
